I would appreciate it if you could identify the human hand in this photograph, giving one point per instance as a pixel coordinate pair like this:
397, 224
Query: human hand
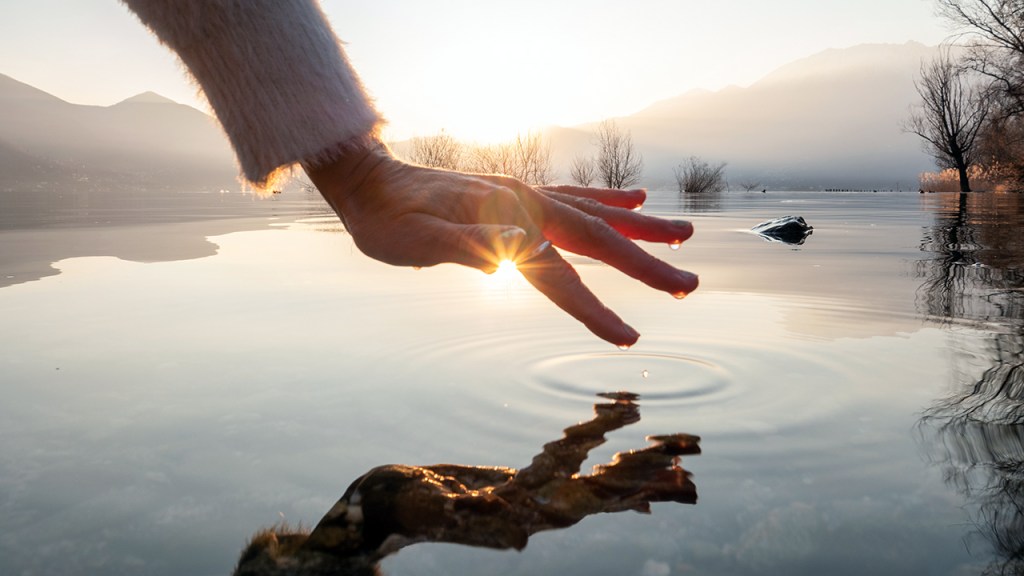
409, 215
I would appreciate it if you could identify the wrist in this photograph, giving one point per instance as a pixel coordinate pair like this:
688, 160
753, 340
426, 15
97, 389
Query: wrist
341, 170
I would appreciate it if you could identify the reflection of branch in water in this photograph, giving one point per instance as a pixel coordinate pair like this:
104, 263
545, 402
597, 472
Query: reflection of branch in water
997, 397
985, 463
975, 272
979, 438
975, 265
391, 507
978, 435
700, 202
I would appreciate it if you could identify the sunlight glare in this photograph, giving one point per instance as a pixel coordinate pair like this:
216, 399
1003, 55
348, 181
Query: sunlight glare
506, 269
505, 277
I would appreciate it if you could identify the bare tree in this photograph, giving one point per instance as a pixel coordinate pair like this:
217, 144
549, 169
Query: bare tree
527, 158
583, 171
993, 31
490, 159
532, 159
1001, 150
619, 165
697, 176
952, 112
749, 185
437, 151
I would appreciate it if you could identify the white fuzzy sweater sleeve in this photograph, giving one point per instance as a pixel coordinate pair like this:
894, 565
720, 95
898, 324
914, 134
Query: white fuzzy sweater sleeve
274, 73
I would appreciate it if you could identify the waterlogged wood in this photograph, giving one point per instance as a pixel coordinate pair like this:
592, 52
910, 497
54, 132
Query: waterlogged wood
393, 506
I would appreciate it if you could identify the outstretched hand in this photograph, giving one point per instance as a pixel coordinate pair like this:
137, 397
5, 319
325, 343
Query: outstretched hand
410, 215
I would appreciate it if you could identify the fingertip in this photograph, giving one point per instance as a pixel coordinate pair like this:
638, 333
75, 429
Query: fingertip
630, 336
622, 336
685, 230
688, 282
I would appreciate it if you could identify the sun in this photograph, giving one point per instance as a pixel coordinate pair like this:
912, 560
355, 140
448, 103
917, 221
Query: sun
505, 277
507, 269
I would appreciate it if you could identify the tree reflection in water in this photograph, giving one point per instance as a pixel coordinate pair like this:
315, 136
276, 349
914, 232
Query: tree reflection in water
393, 506
974, 285
699, 202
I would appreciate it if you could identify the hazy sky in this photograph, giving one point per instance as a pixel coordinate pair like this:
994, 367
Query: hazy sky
478, 68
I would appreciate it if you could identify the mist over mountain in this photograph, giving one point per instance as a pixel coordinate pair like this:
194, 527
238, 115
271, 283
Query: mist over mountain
831, 120
142, 142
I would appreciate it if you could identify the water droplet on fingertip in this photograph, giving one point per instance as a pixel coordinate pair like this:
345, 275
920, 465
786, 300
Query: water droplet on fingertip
679, 295
417, 267
623, 347
675, 245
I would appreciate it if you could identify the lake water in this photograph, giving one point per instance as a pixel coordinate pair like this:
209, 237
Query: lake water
859, 397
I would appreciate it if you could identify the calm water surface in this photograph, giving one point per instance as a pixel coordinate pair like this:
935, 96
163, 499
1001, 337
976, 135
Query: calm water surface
859, 396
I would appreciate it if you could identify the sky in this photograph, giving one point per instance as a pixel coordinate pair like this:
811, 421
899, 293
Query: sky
481, 70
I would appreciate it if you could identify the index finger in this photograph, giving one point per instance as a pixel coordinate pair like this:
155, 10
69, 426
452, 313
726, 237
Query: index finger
629, 199
552, 276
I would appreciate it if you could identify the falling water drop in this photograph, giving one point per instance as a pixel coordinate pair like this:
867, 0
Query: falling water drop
644, 373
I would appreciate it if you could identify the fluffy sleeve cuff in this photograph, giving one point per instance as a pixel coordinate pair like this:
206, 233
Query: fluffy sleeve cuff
274, 74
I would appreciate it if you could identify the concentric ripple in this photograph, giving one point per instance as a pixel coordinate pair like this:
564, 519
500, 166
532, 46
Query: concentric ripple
673, 378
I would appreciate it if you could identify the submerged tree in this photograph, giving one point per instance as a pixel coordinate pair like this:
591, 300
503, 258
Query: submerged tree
527, 158
951, 114
697, 176
438, 151
619, 165
749, 185
532, 159
1001, 149
583, 171
992, 32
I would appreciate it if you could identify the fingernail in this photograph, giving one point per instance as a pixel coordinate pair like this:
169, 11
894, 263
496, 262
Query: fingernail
512, 234
690, 283
535, 251
631, 335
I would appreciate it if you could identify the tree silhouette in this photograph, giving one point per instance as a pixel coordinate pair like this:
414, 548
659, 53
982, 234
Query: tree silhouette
952, 112
619, 165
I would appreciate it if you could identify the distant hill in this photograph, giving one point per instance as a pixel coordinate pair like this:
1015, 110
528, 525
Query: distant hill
144, 141
831, 120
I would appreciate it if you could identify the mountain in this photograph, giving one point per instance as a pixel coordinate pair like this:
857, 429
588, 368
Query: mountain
144, 141
831, 120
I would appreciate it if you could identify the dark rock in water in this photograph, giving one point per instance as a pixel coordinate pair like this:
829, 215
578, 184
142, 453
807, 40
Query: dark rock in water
788, 229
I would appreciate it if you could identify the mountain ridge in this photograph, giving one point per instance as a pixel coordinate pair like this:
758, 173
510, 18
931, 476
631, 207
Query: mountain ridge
145, 141
829, 120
